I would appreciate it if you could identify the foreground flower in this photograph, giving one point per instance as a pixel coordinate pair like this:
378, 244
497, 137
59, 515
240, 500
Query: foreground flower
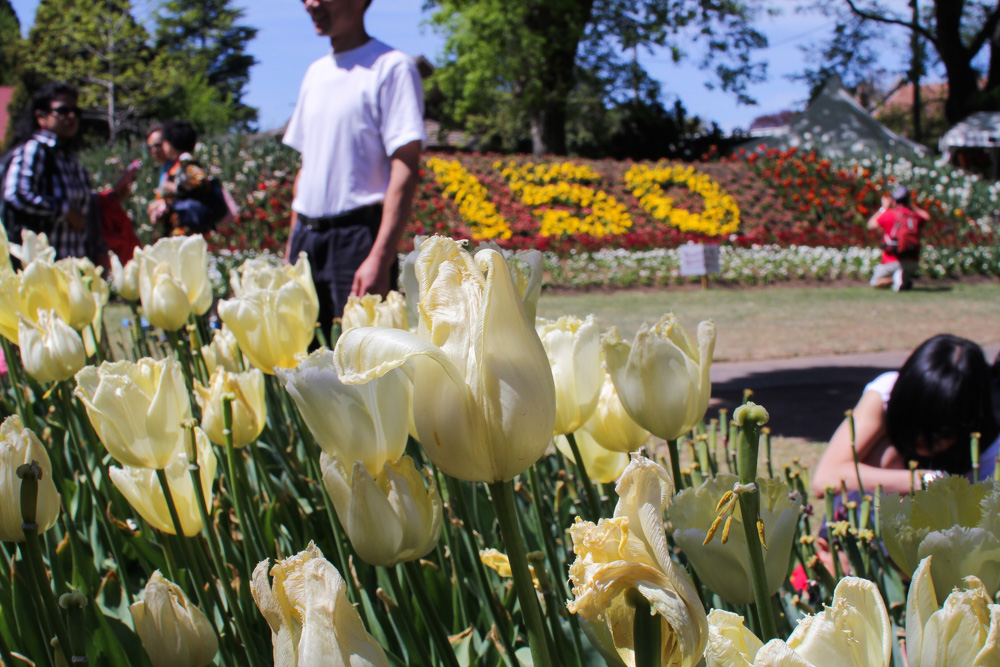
174, 632
273, 316
574, 350
367, 423
371, 311
628, 554
391, 518
965, 631
312, 622
164, 297
143, 491
956, 522
137, 409
249, 409
854, 631
11, 303
725, 568
610, 426
483, 396
223, 352
32, 246
662, 378
51, 350
19, 445
183, 262
602, 465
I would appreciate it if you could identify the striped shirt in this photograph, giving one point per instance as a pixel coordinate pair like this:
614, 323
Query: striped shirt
43, 182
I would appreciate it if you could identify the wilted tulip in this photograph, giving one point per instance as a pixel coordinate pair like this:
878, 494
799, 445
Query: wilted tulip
602, 465
371, 311
125, 279
662, 378
141, 488
174, 632
312, 621
725, 568
367, 423
965, 631
483, 397
273, 326
186, 260
391, 518
249, 409
574, 351
223, 352
628, 554
956, 522
853, 631
51, 350
137, 409
19, 445
610, 425
33, 246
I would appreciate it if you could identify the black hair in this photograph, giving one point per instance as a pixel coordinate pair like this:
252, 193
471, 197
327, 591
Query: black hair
41, 100
943, 392
901, 195
181, 134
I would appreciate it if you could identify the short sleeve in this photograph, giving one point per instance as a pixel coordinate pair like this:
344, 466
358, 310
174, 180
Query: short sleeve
883, 385
401, 100
886, 220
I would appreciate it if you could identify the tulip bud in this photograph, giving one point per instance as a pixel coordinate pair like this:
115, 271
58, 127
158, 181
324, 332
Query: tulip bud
367, 423
249, 409
662, 378
126, 279
137, 409
174, 632
574, 351
141, 487
20, 446
391, 518
483, 395
610, 426
51, 350
164, 297
312, 621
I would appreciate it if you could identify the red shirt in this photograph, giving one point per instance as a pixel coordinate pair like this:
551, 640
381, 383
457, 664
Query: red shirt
886, 222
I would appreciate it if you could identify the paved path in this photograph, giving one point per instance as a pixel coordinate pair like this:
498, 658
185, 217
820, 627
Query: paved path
805, 396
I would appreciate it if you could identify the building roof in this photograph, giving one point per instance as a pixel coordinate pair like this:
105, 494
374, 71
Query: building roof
981, 129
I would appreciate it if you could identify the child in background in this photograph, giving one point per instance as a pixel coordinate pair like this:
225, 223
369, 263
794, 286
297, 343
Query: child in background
183, 202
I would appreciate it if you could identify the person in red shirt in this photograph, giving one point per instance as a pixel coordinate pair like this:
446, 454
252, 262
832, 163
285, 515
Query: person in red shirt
896, 269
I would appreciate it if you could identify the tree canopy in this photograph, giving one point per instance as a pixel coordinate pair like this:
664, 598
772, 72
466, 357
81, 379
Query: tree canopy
521, 61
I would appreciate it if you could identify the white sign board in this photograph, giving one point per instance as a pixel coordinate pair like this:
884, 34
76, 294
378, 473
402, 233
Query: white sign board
698, 259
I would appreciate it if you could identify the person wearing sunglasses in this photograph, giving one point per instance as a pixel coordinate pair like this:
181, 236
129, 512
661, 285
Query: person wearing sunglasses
45, 188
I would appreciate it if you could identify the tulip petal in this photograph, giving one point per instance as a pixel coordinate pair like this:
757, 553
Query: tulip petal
921, 604
371, 514
730, 643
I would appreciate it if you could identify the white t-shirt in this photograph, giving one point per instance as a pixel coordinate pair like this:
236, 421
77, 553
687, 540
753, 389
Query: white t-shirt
355, 109
883, 384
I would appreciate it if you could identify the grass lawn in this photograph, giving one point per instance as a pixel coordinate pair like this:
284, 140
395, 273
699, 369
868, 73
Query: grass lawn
782, 322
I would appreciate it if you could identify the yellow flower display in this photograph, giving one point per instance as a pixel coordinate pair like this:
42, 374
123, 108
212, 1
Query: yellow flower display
720, 217
471, 197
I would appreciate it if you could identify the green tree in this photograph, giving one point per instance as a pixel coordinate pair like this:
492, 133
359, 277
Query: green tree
98, 46
10, 40
205, 38
522, 59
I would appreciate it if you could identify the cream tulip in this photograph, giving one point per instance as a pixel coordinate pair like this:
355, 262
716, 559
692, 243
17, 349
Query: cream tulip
628, 554
137, 409
610, 426
602, 465
164, 297
11, 304
51, 350
19, 445
313, 624
44, 287
249, 408
964, 631
273, 326
174, 632
259, 274
186, 259
662, 378
223, 352
367, 423
952, 520
483, 396
84, 302
526, 270
725, 568
573, 347
391, 518
33, 246
125, 278
854, 631
371, 310
141, 488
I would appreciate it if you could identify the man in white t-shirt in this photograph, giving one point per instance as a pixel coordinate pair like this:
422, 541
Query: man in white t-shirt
358, 124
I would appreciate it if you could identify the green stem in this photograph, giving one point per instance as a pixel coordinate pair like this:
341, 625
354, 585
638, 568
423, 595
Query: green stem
168, 496
432, 621
503, 501
646, 628
593, 502
675, 465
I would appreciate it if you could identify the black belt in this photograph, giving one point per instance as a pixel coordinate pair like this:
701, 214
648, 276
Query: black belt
357, 216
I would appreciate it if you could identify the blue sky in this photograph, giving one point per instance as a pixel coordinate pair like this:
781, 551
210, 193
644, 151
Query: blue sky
286, 44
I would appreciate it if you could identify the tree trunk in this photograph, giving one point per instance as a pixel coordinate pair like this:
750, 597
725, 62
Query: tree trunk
548, 128
957, 61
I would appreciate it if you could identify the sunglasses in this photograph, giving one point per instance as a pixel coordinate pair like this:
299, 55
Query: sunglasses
65, 111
